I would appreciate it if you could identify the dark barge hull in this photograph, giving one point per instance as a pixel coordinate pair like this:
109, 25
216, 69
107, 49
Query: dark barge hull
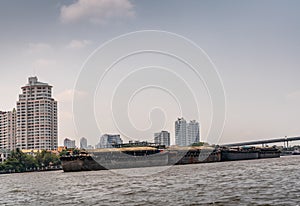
248, 154
269, 153
239, 155
80, 163
118, 160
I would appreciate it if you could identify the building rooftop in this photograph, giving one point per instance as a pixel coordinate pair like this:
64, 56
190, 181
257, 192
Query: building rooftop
33, 81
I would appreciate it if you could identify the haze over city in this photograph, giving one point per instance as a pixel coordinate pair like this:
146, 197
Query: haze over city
254, 46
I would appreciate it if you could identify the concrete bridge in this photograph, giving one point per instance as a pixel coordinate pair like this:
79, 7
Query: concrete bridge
285, 140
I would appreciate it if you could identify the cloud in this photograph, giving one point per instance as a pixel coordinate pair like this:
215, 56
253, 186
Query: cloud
38, 47
44, 63
67, 95
96, 11
78, 44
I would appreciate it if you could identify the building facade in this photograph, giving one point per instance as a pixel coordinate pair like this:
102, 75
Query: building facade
8, 130
162, 138
109, 140
180, 132
186, 133
36, 117
83, 143
68, 143
193, 133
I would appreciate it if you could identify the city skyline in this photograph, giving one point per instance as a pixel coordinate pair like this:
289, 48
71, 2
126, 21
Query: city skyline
254, 49
35, 92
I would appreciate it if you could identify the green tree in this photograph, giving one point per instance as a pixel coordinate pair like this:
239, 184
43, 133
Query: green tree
198, 144
19, 161
64, 152
76, 152
46, 158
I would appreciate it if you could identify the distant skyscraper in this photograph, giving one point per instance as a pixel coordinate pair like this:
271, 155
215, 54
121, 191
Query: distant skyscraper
108, 140
83, 143
186, 133
36, 117
180, 132
8, 130
162, 138
69, 143
193, 134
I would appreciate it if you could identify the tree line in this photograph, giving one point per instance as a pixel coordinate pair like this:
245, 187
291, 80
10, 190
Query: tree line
19, 161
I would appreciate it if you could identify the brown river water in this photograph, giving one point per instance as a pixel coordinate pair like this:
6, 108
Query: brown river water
254, 182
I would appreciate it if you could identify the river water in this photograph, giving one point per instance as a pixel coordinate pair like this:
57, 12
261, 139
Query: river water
254, 182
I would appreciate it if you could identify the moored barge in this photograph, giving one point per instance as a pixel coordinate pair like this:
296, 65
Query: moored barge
134, 157
248, 153
146, 156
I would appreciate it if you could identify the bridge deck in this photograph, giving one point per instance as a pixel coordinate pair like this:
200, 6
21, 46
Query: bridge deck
285, 139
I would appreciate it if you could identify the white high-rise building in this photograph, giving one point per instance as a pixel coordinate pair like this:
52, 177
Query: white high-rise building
186, 133
180, 132
162, 138
193, 134
8, 130
36, 117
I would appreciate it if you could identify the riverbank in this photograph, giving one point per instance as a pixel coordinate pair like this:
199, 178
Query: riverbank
43, 169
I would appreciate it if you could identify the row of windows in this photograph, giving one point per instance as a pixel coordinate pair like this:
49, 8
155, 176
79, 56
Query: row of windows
36, 102
45, 89
40, 106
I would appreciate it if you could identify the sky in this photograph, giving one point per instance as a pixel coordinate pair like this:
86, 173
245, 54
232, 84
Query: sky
254, 46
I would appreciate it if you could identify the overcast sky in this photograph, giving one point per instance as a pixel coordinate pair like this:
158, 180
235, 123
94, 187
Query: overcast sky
253, 44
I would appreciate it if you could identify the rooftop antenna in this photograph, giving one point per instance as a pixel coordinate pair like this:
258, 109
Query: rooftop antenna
34, 71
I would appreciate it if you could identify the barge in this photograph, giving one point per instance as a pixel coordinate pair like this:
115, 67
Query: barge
134, 157
248, 153
146, 156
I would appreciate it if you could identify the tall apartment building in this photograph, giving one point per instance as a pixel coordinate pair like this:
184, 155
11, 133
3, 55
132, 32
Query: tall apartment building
162, 138
180, 132
193, 134
8, 130
109, 140
186, 133
36, 117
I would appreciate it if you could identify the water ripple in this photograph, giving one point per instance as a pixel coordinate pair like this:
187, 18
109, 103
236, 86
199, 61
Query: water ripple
255, 182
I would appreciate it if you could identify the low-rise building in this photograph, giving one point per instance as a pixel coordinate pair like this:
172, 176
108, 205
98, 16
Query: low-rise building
162, 138
69, 143
109, 140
